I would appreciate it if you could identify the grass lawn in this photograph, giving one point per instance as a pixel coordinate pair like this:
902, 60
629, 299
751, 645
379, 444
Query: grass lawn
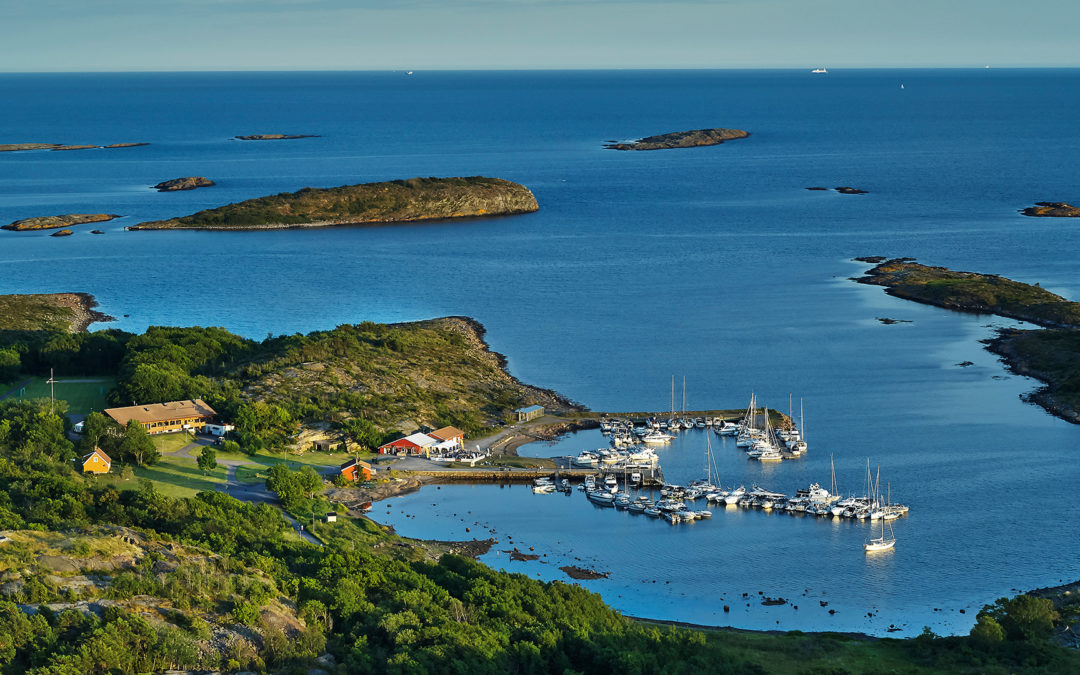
82, 394
519, 462
181, 477
250, 474
172, 442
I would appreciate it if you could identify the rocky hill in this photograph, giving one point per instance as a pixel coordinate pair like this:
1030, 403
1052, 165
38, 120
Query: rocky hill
681, 139
390, 202
62, 312
57, 222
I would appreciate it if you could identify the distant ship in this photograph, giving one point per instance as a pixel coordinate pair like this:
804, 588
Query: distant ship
819, 70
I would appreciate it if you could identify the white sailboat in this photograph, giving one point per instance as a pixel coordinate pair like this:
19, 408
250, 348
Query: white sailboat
883, 542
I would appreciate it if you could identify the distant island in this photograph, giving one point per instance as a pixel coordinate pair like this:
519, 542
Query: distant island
1052, 210
186, 183
1051, 355
681, 139
57, 222
274, 137
19, 147
389, 202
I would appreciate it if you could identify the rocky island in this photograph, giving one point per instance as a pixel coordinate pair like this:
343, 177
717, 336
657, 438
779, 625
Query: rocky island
19, 147
57, 222
1052, 210
1051, 355
186, 183
274, 137
367, 203
681, 139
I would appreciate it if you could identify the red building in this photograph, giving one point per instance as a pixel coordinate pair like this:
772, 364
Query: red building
355, 470
414, 444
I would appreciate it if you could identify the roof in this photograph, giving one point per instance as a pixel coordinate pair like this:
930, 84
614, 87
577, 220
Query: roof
532, 408
354, 462
447, 433
422, 440
161, 412
100, 453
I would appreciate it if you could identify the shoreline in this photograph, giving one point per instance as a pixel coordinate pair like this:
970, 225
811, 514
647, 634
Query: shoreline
326, 223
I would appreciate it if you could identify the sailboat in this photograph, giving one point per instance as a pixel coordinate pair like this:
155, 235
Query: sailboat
883, 542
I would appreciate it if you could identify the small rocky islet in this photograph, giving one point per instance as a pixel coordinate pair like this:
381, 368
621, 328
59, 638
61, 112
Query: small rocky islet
185, 183
1052, 210
681, 139
844, 190
21, 147
57, 222
274, 137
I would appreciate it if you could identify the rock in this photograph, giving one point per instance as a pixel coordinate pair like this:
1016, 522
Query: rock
53, 222
124, 145
888, 322
274, 137
850, 191
62, 233
681, 139
187, 183
817, 188
874, 259
75, 147
96, 232
965, 364
1052, 210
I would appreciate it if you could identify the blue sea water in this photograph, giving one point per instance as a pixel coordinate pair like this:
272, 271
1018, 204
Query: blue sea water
713, 263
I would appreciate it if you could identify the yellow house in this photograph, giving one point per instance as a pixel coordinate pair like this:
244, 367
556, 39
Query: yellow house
96, 462
160, 418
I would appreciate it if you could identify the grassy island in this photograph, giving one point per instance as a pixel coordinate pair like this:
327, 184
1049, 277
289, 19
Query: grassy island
390, 202
681, 139
49, 312
1051, 356
57, 222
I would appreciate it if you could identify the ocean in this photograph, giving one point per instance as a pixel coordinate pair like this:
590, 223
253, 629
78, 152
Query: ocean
711, 263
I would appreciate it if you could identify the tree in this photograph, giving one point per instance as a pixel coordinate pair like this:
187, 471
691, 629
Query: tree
291, 485
208, 459
986, 630
1024, 617
10, 363
136, 447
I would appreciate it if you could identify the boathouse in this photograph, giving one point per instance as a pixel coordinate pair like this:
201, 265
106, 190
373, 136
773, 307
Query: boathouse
161, 418
530, 413
96, 462
413, 444
355, 470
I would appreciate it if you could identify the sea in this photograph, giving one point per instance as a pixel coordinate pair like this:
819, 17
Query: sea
713, 264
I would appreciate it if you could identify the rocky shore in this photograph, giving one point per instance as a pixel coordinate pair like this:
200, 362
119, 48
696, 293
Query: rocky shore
20, 147
274, 137
681, 139
67, 312
57, 222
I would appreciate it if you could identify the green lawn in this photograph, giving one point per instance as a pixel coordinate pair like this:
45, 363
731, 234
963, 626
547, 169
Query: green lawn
250, 474
172, 442
181, 476
82, 394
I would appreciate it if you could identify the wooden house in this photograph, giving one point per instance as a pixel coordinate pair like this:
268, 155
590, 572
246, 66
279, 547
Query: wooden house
96, 462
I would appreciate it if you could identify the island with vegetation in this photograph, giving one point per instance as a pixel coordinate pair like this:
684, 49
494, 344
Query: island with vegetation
185, 183
127, 572
1051, 355
681, 139
48, 314
57, 222
396, 201
20, 147
1052, 210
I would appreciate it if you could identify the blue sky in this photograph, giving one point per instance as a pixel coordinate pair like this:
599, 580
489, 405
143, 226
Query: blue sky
111, 35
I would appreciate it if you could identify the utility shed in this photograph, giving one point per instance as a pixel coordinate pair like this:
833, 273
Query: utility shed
530, 413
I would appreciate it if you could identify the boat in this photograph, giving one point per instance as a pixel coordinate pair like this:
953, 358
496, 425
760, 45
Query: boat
586, 459
656, 438
601, 498
820, 70
652, 512
883, 542
735, 495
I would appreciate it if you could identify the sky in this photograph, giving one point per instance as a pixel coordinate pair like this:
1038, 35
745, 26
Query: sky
165, 35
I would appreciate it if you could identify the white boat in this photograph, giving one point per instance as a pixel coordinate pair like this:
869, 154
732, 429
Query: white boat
735, 495
883, 542
601, 498
656, 438
823, 69
543, 489
586, 459
652, 512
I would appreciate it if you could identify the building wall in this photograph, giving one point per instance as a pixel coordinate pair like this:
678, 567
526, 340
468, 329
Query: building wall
169, 426
95, 465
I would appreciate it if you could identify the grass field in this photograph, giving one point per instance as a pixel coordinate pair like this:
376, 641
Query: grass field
82, 394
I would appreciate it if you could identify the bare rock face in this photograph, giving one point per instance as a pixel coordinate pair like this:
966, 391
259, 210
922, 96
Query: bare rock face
187, 183
1052, 210
62, 233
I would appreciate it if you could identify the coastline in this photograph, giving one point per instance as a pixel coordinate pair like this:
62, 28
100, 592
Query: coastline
348, 222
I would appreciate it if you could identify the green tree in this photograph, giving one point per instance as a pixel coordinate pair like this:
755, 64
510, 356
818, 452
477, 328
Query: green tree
10, 363
987, 631
207, 459
136, 446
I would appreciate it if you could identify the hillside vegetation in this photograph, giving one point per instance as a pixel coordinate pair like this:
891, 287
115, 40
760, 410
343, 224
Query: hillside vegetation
389, 202
48, 312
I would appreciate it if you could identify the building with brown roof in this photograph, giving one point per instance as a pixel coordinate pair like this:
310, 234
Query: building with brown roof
160, 418
449, 438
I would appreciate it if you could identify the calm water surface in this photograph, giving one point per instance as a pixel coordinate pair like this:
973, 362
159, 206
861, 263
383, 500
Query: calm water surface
712, 263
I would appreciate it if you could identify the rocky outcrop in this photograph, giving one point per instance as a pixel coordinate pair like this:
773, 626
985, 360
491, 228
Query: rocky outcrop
65, 312
19, 147
124, 145
62, 233
681, 139
396, 201
1052, 210
187, 183
274, 137
54, 222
